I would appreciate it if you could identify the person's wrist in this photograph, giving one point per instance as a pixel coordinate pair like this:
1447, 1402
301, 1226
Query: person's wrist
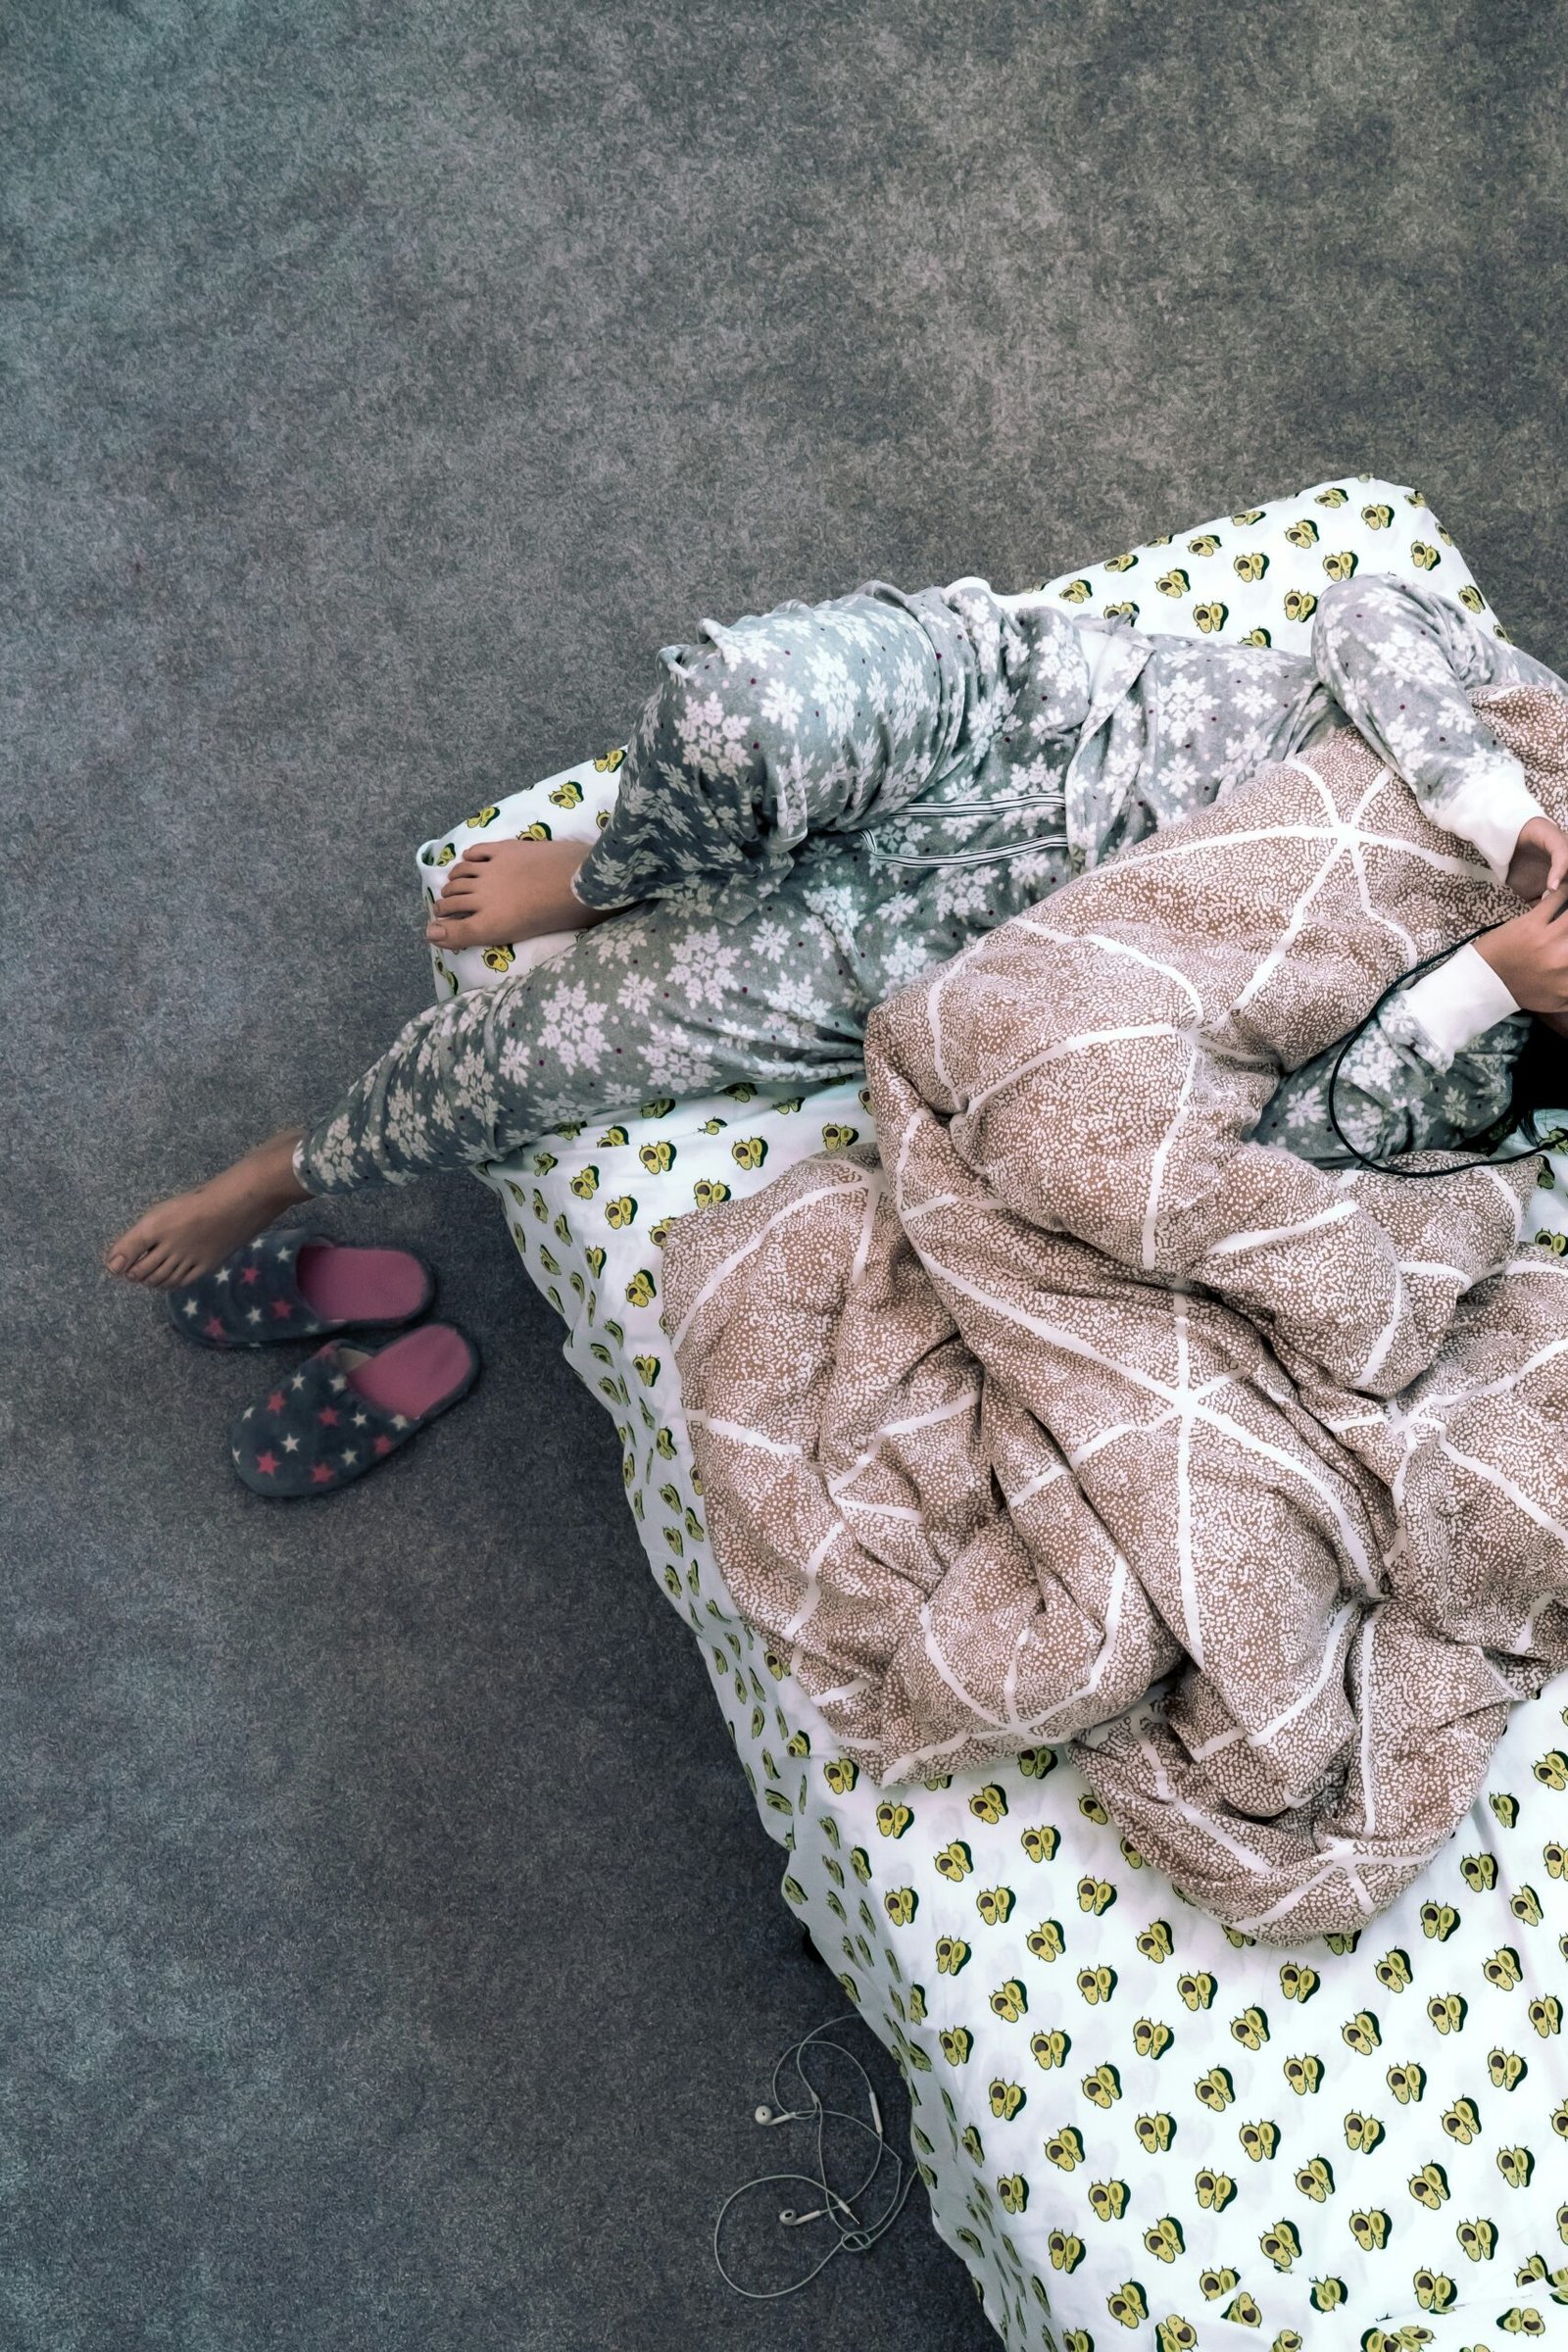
1497, 949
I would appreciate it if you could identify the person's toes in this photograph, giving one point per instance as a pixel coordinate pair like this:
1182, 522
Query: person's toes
122, 1256
440, 934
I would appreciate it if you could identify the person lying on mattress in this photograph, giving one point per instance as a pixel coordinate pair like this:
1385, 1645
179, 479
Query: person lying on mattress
822, 802
1069, 1414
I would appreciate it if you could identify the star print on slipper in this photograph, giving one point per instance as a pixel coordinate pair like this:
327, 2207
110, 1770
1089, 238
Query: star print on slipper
347, 1410
294, 1285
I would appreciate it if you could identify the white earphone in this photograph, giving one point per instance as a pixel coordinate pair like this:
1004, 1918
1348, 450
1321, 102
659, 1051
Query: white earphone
855, 2237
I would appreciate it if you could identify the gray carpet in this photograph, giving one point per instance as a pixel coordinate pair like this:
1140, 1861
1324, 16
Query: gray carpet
389, 1953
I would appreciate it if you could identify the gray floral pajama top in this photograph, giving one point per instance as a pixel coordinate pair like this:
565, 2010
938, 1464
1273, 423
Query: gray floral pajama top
825, 801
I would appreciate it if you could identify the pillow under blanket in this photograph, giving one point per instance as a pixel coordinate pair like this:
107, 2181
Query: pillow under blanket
1080, 1391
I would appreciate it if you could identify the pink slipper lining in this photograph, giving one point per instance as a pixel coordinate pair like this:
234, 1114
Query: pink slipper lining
415, 1374
343, 1284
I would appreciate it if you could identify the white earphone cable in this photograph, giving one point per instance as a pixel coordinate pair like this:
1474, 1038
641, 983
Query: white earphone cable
853, 2237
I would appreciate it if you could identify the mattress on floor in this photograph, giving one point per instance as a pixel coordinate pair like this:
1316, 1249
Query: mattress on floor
1134, 2127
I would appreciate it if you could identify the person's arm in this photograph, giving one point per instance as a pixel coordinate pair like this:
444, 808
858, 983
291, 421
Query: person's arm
1402, 661
816, 719
1436, 1065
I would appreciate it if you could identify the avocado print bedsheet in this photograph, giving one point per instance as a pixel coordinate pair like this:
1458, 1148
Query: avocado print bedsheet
1135, 2126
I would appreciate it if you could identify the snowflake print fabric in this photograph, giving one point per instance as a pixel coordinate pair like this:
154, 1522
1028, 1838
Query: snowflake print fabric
877, 780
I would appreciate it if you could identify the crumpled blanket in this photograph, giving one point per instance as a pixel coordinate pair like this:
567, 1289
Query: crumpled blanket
1079, 1416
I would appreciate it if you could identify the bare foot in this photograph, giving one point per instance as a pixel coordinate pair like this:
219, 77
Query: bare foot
501, 892
195, 1231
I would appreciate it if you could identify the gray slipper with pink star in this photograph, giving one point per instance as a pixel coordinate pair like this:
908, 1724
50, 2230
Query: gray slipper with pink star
347, 1410
289, 1285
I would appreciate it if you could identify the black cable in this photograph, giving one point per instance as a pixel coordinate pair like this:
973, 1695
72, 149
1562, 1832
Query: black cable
1553, 1140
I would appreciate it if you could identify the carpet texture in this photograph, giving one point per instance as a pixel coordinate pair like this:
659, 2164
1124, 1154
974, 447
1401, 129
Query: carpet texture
381, 387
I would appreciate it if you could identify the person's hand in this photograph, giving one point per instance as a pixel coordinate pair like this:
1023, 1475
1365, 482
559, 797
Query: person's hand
1540, 858
1530, 955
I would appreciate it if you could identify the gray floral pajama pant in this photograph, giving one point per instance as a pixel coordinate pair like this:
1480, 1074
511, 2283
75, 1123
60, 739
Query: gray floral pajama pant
822, 802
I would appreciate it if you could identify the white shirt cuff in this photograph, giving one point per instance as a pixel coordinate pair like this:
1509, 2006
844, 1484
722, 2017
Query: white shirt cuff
1491, 811
1460, 1001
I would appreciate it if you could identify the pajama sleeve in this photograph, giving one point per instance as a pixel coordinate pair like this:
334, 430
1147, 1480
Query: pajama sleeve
1401, 661
1434, 1066
1449, 1007
814, 720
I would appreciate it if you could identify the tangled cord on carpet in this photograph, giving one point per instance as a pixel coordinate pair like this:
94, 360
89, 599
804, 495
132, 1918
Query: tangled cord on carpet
837, 2208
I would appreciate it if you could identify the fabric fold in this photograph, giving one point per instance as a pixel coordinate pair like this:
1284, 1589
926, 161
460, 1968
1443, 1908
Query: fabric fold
1082, 1390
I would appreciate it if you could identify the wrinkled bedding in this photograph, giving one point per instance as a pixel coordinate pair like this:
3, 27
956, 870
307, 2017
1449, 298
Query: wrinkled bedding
1081, 1412
1108, 2088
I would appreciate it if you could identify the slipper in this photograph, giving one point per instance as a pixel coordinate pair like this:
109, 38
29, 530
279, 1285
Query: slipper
296, 1285
346, 1409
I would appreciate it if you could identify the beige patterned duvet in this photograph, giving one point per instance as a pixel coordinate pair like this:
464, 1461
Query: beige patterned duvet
1078, 1413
